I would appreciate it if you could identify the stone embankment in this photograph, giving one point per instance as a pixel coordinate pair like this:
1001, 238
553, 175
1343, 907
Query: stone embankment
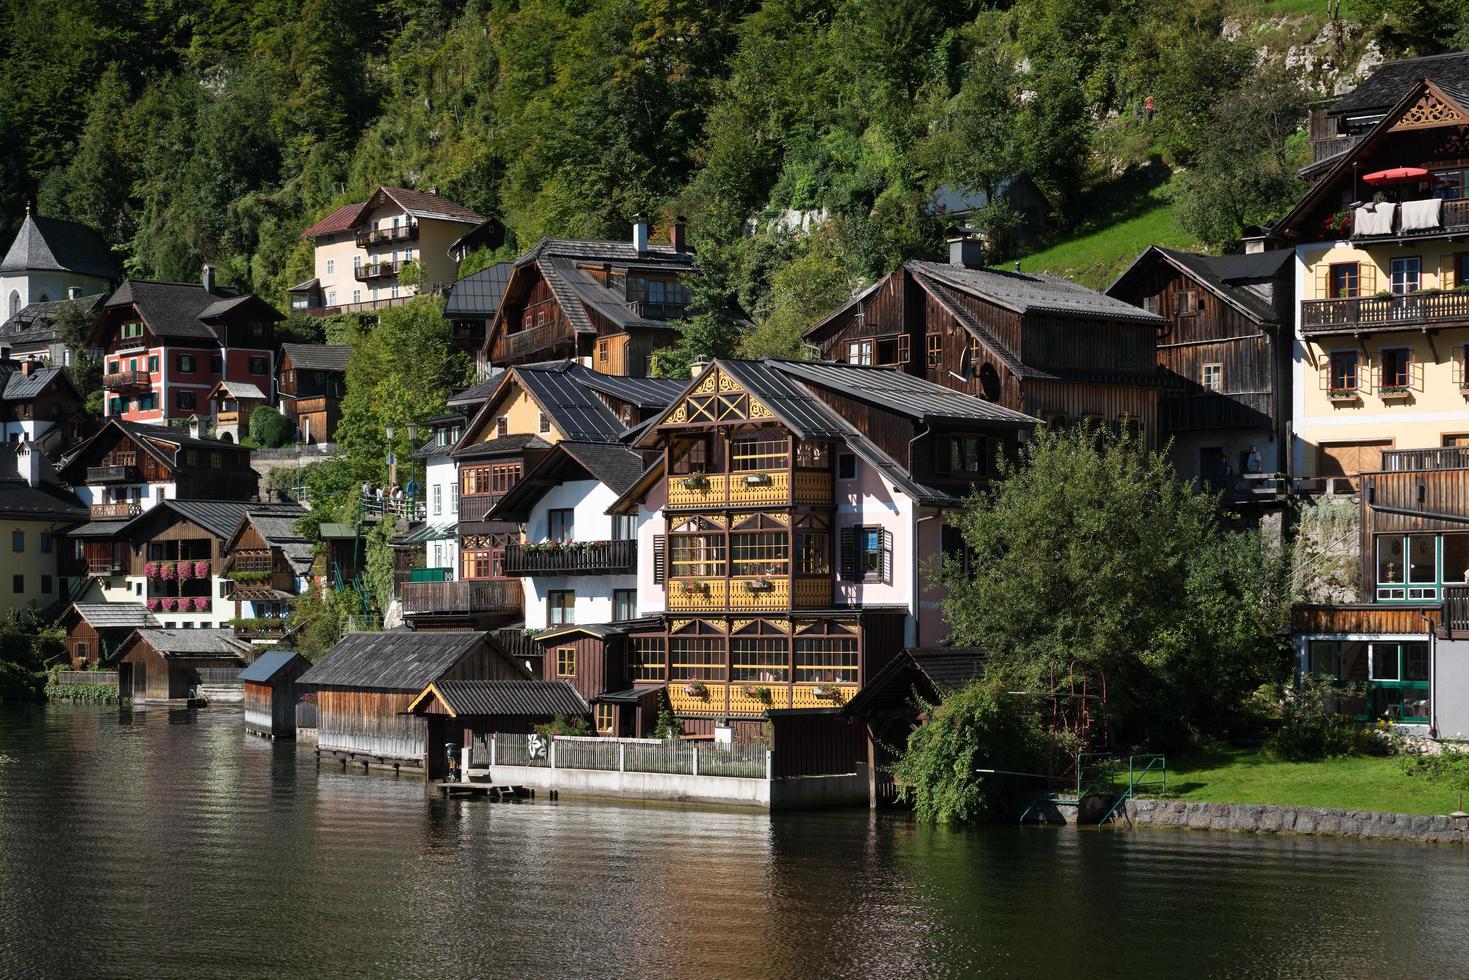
1260, 819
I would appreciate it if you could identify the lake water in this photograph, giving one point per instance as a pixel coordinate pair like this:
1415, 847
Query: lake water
169, 844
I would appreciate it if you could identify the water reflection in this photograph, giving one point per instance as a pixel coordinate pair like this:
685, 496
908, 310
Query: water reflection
181, 847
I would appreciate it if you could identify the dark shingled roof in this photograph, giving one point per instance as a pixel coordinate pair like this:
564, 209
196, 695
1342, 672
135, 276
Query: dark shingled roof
54, 245
317, 357
397, 660
268, 664
478, 294
422, 204
902, 393
173, 309
16, 386
114, 615
622, 253
931, 670
184, 644
534, 699
1228, 277
1392, 80
223, 517
560, 389
477, 393
610, 464
35, 322
1031, 292
500, 446
50, 499
616, 466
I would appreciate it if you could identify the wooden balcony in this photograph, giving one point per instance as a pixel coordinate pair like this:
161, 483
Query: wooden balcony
747, 593
464, 597
1454, 621
1417, 460
1366, 618
104, 565
126, 380
114, 474
102, 512
476, 507
534, 343
376, 270
377, 236
741, 699
717, 490
1453, 217
577, 558
1358, 314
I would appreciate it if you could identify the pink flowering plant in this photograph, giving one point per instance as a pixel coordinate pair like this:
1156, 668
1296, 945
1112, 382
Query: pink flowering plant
201, 569
201, 603
170, 604
154, 605
150, 570
167, 572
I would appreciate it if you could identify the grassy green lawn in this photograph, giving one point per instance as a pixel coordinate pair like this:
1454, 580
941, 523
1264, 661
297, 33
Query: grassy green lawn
1098, 255
1248, 776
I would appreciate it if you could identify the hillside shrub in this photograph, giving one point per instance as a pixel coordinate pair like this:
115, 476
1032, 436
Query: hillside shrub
1312, 728
269, 429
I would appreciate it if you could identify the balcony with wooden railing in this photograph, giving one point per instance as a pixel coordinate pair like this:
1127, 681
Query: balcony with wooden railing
1355, 314
754, 698
572, 558
115, 509
475, 507
378, 236
1453, 217
462, 598
1454, 620
126, 380
699, 491
376, 270
115, 473
752, 593
1417, 460
532, 342
101, 563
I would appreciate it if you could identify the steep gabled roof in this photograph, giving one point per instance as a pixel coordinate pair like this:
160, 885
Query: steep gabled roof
318, 357
422, 204
54, 245
560, 389
186, 644
395, 660
1384, 87
1033, 292
1226, 276
641, 392
612, 465
17, 386
514, 699
475, 394
930, 672
179, 309
114, 615
478, 294
340, 220
35, 322
50, 498
896, 391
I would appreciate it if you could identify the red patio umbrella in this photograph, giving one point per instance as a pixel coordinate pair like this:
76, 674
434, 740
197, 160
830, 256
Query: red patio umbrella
1397, 175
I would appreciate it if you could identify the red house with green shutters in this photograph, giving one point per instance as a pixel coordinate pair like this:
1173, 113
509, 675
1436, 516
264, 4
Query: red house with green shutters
167, 345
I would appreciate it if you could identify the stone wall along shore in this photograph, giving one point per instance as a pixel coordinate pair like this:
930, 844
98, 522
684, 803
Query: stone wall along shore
1252, 818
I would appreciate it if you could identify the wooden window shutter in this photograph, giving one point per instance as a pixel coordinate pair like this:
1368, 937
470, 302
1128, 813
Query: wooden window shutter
1323, 280
849, 554
660, 557
904, 353
887, 556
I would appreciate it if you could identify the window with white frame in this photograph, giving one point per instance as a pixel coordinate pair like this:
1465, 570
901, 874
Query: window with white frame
1212, 377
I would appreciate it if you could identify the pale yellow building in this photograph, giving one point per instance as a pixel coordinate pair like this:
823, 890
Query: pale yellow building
36, 510
361, 250
1382, 282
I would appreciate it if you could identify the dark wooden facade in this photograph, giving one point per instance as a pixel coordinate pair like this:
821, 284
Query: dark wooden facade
146, 675
1060, 369
118, 457
311, 399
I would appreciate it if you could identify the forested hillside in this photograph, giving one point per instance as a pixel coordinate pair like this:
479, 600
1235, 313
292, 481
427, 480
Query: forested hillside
216, 131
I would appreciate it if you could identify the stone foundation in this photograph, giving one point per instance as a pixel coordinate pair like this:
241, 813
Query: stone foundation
1252, 818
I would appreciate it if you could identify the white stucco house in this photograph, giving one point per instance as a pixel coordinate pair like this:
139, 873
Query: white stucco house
52, 259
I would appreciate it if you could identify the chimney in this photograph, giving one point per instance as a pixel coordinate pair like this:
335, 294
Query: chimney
698, 366
193, 426
73, 292
26, 367
678, 233
433, 189
640, 234
28, 462
208, 278
965, 249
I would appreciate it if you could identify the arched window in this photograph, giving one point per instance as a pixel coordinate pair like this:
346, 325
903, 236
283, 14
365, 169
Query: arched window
14, 302
43, 298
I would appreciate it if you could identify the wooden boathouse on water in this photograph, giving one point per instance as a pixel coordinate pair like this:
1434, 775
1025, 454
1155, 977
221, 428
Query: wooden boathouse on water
467, 713
367, 682
271, 691
162, 666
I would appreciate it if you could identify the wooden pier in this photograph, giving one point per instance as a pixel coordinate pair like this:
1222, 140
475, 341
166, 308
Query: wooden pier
499, 794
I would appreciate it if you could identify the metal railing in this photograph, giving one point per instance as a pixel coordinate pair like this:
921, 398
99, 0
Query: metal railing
407, 507
749, 760
119, 380
574, 557
376, 236
1441, 458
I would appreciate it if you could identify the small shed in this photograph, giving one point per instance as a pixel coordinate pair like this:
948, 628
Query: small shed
95, 629
366, 683
271, 692
163, 666
232, 402
467, 713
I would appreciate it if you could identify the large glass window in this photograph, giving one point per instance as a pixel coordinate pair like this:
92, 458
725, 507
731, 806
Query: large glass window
813, 553
1408, 566
762, 451
1407, 274
826, 659
696, 555
696, 658
760, 659
759, 552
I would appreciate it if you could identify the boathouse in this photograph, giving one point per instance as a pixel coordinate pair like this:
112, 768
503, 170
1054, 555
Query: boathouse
162, 666
94, 629
367, 682
271, 692
467, 713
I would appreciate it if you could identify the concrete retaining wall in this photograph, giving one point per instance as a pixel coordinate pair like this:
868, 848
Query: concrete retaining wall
1259, 819
775, 794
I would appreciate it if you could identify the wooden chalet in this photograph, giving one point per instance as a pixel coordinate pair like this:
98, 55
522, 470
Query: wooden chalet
311, 382
366, 683
30, 334
268, 563
125, 468
230, 405
467, 713
889, 707
1224, 353
786, 528
471, 306
271, 693
609, 305
167, 344
162, 666
40, 405
95, 629
1037, 344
